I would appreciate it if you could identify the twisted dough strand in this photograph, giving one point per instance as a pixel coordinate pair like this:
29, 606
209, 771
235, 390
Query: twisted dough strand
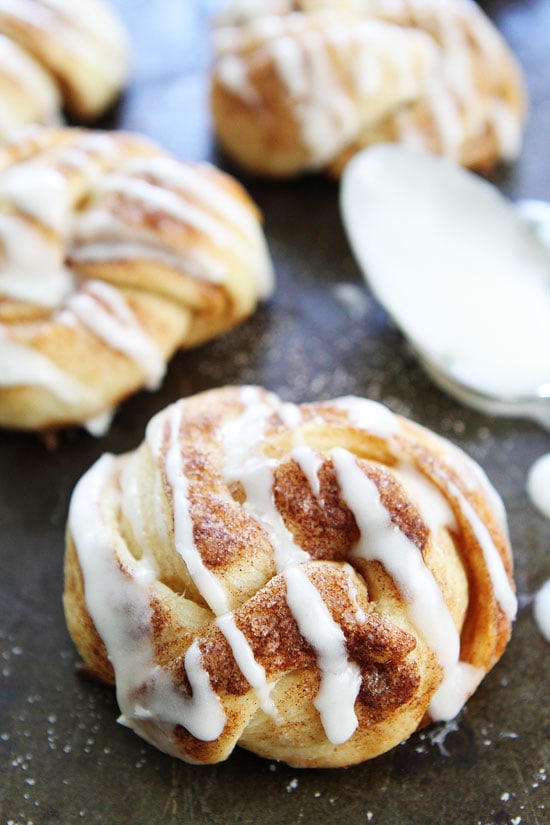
114, 255
303, 85
59, 55
310, 582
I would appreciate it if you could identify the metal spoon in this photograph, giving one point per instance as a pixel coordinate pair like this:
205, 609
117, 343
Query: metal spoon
535, 406
436, 244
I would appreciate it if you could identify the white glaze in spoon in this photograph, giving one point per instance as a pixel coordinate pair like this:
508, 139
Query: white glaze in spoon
465, 277
538, 490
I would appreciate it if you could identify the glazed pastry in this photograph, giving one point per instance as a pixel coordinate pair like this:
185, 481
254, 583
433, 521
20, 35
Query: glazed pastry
310, 582
112, 256
301, 85
59, 55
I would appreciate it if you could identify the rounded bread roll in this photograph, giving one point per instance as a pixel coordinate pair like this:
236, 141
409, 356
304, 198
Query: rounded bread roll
59, 55
301, 85
311, 582
113, 255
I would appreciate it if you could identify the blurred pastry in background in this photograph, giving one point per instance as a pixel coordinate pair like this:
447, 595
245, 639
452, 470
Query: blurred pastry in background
59, 57
301, 85
113, 255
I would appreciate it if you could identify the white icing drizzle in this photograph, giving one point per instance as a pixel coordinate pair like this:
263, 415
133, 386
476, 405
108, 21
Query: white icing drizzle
100, 235
303, 54
211, 198
32, 269
458, 108
328, 117
459, 684
289, 59
100, 424
500, 113
473, 476
436, 510
90, 157
340, 677
446, 116
310, 462
244, 462
106, 312
241, 437
298, 45
154, 438
21, 365
35, 237
536, 214
541, 610
87, 30
232, 73
257, 480
155, 197
290, 415
120, 608
503, 590
249, 9
114, 599
34, 82
93, 16
141, 251
428, 611
201, 713
506, 127
132, 506
122, 603
195, 184
370, 416
538, 484
426, 607
205, 581
38, 190
252, 670
381, 541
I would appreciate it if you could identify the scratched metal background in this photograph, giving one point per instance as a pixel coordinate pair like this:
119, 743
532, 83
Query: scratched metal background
63, 758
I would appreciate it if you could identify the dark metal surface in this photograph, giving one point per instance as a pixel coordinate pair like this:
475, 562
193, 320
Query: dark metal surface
63, 758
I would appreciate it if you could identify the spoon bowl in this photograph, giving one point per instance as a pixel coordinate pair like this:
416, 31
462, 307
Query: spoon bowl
463, 272
535, 407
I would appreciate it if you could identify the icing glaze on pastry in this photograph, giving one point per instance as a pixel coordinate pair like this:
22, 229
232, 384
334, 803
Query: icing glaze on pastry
324, 614
538, 484
303, 85
542, 610
57, 54
115, 251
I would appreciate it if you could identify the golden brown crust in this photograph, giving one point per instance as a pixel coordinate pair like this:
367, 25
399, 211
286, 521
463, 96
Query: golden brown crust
426, 511
134, 255
302, 86
73, 57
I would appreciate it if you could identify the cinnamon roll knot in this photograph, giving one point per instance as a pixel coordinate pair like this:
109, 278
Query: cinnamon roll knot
301, 85
311, 582
57, 57
113, 255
